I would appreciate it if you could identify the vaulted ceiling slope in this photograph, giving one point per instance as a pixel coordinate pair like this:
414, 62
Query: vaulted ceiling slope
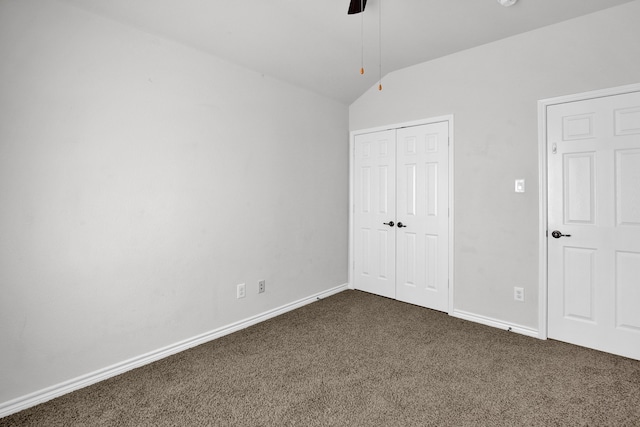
314, 44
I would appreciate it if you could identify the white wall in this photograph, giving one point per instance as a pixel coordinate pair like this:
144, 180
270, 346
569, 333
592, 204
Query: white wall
140, 180
492, 91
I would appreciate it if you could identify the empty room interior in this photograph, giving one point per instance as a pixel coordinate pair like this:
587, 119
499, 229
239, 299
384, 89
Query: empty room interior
174, 173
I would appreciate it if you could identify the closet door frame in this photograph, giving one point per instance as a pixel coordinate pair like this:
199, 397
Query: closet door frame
352, 136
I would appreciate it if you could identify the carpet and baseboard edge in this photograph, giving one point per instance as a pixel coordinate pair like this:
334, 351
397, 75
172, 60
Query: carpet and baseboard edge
41, 396
488, 321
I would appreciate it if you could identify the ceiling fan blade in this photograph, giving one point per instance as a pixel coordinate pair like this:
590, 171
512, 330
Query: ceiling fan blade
356, 6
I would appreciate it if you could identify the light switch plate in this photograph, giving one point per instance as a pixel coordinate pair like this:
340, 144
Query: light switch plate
519, 185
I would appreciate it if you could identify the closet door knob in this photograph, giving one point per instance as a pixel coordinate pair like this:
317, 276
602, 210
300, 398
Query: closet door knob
400, 225
390, 223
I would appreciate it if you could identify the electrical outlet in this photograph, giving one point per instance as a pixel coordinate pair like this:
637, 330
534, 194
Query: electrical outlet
518, 294
261, 286
241, 291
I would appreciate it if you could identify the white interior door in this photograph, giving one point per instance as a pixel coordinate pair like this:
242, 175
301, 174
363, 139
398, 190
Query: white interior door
374, 205
400, 220
594, 215
422, 214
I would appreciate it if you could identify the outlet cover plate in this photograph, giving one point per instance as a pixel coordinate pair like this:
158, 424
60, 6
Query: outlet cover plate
518, 294
241, 291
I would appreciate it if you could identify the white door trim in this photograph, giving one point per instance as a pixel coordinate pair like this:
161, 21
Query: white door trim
352, 135
542, 182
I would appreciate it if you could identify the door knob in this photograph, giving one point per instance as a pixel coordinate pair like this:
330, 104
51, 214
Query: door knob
400, 225
390, 223
555, 234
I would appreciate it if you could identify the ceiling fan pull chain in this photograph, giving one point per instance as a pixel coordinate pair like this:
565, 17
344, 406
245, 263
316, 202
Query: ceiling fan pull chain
362, 37
380, 42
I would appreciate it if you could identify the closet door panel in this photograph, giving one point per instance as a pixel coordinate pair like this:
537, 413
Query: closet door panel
375, 205
422, 215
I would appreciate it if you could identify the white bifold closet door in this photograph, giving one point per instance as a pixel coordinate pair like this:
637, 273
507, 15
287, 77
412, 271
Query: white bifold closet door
401, 235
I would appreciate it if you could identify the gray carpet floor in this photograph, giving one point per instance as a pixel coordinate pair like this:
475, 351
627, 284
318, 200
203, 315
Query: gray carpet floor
355, 359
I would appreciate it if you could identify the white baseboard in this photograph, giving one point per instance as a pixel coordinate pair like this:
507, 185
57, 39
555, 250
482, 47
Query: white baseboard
519, 329
32, 399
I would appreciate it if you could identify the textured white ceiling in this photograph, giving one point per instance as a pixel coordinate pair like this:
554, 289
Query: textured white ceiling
314, 44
